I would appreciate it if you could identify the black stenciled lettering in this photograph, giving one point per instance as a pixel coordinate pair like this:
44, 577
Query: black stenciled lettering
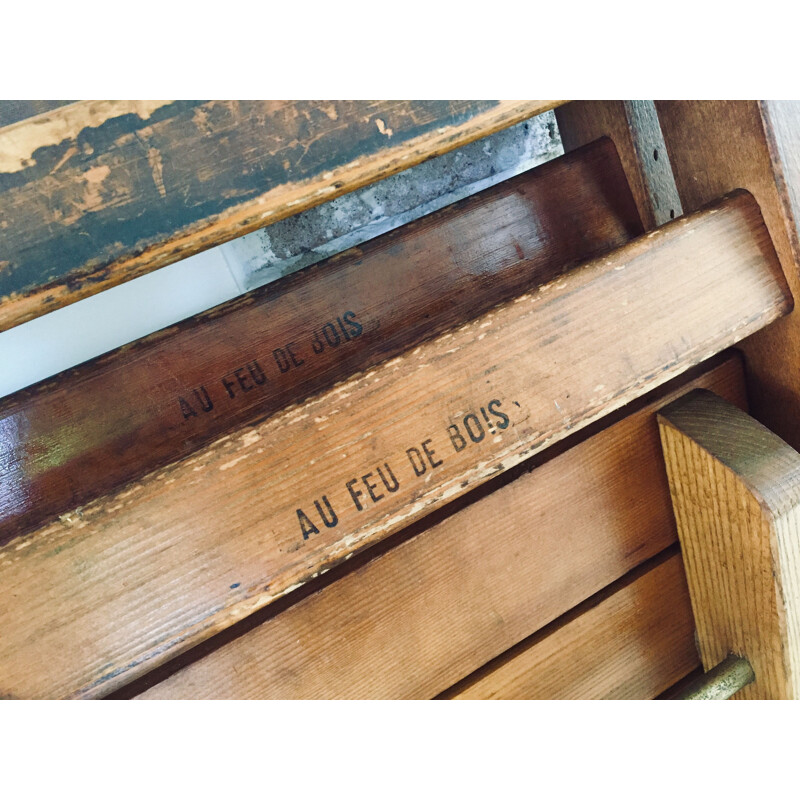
256, 373
504, 420
430, 452
456, 439
352, 323
355, 493
306, 525
371, 487
478, 434
343, 329
242, 378
296, 360
331, 520
489, 423
281, 360
201, 395
317, 345
229, 387
417, 462
187, 410
333, 339
394, 485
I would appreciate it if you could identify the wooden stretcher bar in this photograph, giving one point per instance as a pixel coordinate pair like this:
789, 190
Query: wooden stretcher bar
85, 432
136, 577
424, 615
94, 193
633, 645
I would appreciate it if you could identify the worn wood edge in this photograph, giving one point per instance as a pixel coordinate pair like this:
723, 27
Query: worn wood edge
511, 676
12, 111
757, 456
735, 490
770, 127
276, 204
393, 521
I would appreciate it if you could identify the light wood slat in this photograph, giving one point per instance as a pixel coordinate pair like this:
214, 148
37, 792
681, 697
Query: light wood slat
98, 192
735, 488
83, 433
144, 573
718, 146
426, 614
633, 645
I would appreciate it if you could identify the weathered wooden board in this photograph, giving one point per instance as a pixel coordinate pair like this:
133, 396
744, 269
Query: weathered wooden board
633, 645
85, 432
718, 146
97, 192
12, 111
148, 571
735, 488
426, 614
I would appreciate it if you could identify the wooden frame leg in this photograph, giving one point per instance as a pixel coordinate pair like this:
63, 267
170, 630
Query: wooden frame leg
735, 490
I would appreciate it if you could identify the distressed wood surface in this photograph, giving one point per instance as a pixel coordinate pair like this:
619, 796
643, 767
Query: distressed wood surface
735, 489
782, 124
716, 147
415, 620
633, 645
86, 431
12, 111
148, 571
97, 192
637, 139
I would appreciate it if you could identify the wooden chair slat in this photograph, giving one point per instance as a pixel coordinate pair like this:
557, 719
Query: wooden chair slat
183, 553
424, 615
85, 432
634, 645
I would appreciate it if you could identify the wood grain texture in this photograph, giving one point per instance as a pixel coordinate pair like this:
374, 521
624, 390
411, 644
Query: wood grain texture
12, 111
426, 614
166, 562
98, 192
633, 645
782, 126
584, 121
718, 146
736, 493
72, 438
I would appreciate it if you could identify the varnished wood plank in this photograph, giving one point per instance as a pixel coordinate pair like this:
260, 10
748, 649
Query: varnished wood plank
735, 489
633, 645
583, 121
718, 146
427, 613
98, 192
166, 562
85, 432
